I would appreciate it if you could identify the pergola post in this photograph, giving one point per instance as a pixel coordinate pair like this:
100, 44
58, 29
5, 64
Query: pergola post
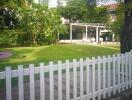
113, 37
86, 32
97, 34
71, 32
58, 36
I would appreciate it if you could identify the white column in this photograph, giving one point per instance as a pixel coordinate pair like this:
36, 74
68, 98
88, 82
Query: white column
113, 37
58, 36
71, 32
86, 33
97, 34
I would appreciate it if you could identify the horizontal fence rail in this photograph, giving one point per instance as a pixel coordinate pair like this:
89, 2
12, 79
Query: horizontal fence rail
85, 79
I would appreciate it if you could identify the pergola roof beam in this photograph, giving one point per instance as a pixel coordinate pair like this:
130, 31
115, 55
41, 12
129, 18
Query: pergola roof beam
100, 25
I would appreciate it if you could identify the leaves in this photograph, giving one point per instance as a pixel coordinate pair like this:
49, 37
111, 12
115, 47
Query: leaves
79, 10
117, 25
41, 20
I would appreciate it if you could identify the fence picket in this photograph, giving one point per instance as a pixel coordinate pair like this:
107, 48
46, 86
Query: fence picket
67, 81
118, 67
130, 69
42, 82
74, 79
115, 67
59, 80
99, 74
131, 66
81, 79
104, 77
126, 71
87, 76
8, 83
51, 81
32, 88
122, 74
20, 82
93, 77
109, 76
114, 79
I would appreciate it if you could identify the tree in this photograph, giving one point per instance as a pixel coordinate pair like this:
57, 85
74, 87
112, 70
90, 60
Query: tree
75, 10
7, 13
8, 23
126, 34
97, 14
116, 26
78, 10
29, 23
40, 23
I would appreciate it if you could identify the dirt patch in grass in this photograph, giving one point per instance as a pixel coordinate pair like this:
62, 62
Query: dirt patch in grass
4, 55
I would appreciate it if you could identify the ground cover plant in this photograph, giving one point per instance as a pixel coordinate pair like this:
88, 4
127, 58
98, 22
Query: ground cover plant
35, 55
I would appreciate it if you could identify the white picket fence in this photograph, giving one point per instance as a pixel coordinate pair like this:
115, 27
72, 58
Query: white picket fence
87, 79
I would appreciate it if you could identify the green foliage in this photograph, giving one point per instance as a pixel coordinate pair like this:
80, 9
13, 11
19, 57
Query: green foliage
79, 10
74, 10
8, 38
8, 23
101, 15
13, 4
117, 25
38, 22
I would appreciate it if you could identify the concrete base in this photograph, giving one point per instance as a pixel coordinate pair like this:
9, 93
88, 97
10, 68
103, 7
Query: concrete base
89, 42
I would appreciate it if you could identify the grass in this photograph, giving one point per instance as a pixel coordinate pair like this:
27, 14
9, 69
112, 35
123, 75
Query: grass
35, 55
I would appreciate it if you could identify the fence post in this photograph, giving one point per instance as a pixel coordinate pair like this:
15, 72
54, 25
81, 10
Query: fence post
20, 82
87, 81
67, 81
42, 82
81, 78
59, 80
51, 73
8, 83
32, 88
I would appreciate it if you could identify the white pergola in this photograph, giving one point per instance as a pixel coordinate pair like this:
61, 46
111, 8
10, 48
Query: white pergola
97, 26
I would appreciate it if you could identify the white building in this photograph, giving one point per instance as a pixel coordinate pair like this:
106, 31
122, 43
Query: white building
53, 3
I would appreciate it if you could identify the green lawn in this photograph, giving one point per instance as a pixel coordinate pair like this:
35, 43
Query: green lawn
35, 55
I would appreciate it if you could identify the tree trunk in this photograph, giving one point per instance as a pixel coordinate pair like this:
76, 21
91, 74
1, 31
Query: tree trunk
126, 35
34, 43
